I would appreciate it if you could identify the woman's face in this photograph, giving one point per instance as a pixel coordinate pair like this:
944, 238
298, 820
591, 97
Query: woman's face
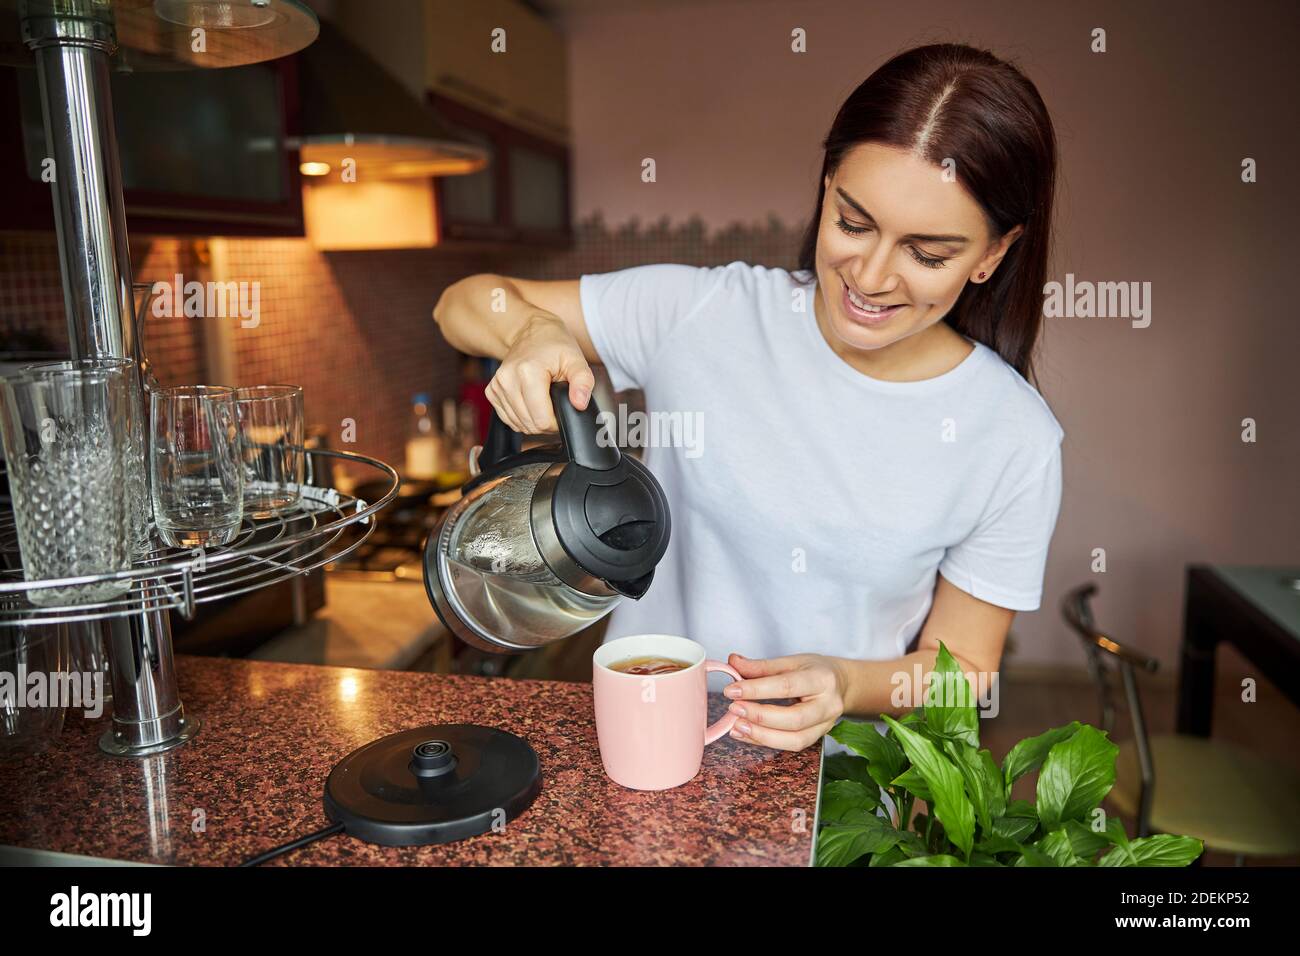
896, 245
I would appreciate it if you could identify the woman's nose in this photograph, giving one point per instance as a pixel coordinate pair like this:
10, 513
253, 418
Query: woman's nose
874, 274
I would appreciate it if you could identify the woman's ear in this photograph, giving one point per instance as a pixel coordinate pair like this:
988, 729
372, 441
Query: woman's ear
983, 269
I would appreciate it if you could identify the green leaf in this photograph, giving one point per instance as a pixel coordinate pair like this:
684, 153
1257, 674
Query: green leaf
848, 767
997, 844
842, 799
1021, 808
950, 803
941, 859
1032, 856
1165, 849
1016, 829
841, 844
888, 858
1029, 753
1084, 840
884, 755
912, 781
1077, 773
1057, 845
950, 701
983, 781
983, 859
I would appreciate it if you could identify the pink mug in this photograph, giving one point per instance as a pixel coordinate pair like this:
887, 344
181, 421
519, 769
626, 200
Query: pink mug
651, 728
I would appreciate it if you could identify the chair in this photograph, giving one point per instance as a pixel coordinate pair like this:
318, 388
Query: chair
1230, 799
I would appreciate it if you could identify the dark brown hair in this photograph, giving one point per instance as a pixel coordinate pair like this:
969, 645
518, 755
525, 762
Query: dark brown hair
949, 101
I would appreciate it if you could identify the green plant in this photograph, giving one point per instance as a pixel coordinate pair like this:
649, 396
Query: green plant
932, 755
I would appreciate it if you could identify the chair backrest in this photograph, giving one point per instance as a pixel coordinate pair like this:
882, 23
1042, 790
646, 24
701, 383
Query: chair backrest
1102, 651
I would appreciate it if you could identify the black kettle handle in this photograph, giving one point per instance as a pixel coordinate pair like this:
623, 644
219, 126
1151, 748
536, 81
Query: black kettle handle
579, 430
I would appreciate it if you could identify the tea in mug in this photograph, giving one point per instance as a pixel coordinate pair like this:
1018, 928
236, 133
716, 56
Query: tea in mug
651, 666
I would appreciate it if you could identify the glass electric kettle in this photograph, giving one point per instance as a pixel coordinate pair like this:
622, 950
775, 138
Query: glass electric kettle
546, 541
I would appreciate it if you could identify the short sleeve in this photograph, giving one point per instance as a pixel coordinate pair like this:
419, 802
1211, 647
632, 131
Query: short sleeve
629, 314
1003, 559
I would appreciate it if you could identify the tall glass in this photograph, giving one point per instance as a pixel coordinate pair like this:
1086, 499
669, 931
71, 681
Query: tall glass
136, 484
195, 469
66, 433
271, 441
30, 722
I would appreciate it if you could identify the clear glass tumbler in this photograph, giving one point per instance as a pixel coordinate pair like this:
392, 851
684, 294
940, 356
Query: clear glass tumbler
196, 474
271, 442
67, 438
140, 509
30, 721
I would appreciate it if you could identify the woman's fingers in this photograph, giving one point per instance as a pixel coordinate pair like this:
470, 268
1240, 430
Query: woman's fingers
763, 666
787, 684
535, 393
784, 717
498, 395
780, 739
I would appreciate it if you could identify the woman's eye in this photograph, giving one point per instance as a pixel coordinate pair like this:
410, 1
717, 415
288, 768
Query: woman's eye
849, 228
925, 260
928, 261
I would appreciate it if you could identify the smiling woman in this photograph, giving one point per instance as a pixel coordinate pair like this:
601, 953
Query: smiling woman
879, 474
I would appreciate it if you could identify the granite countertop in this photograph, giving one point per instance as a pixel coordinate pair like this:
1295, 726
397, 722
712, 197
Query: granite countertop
253, 779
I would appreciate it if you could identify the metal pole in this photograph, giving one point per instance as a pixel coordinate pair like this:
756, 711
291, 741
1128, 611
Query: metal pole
73, 48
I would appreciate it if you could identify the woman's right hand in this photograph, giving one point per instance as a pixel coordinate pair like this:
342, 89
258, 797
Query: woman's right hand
543, 352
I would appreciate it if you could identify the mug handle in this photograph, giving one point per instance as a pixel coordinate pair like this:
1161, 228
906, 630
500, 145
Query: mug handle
728, 720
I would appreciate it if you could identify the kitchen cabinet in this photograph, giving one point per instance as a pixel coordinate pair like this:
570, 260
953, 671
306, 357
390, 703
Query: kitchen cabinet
272, 732
499, 57
495, 71
202, 151
522, 195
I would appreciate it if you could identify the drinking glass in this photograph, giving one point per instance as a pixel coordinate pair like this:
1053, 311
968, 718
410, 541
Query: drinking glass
271, 443
136, 484
28, 722
66, 433
197, 478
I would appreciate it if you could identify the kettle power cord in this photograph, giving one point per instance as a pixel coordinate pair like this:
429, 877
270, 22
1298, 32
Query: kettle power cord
284, 848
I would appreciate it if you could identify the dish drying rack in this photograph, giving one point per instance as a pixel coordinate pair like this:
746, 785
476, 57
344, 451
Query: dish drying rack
264, 552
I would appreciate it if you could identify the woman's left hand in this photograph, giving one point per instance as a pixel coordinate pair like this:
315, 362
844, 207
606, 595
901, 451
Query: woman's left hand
817, 682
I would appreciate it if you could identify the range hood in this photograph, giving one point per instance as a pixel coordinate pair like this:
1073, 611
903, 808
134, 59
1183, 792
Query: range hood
353, 109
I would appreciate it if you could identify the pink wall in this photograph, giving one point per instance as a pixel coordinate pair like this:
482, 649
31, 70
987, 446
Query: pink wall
1152, 136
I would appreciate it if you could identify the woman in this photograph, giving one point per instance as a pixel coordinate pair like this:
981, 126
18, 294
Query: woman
876, 474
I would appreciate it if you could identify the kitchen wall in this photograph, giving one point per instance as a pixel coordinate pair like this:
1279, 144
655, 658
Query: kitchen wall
1152, 135
353, 328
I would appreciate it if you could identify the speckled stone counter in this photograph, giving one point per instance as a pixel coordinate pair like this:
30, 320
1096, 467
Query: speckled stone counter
253, 779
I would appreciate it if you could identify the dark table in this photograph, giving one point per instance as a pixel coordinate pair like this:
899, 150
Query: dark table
1257, 610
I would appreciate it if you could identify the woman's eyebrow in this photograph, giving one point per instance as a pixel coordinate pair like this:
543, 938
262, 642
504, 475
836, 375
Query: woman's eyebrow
922, 237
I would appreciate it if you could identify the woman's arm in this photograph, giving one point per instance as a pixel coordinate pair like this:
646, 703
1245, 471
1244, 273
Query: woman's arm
827, 688
537, 331
974, 632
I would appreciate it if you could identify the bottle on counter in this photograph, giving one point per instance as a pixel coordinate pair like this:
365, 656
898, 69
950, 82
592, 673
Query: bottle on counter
424, 447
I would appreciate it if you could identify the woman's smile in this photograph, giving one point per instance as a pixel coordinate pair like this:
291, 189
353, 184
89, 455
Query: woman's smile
864, 311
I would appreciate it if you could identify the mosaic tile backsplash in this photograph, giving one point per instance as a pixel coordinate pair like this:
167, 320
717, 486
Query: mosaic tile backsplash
353, 328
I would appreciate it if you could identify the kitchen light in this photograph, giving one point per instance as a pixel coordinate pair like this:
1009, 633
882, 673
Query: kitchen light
314, 169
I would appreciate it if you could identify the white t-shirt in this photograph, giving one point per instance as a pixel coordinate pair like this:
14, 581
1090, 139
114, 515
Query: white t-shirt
812, 505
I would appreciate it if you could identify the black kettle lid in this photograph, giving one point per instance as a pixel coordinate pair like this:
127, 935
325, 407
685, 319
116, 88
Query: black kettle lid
609, 513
